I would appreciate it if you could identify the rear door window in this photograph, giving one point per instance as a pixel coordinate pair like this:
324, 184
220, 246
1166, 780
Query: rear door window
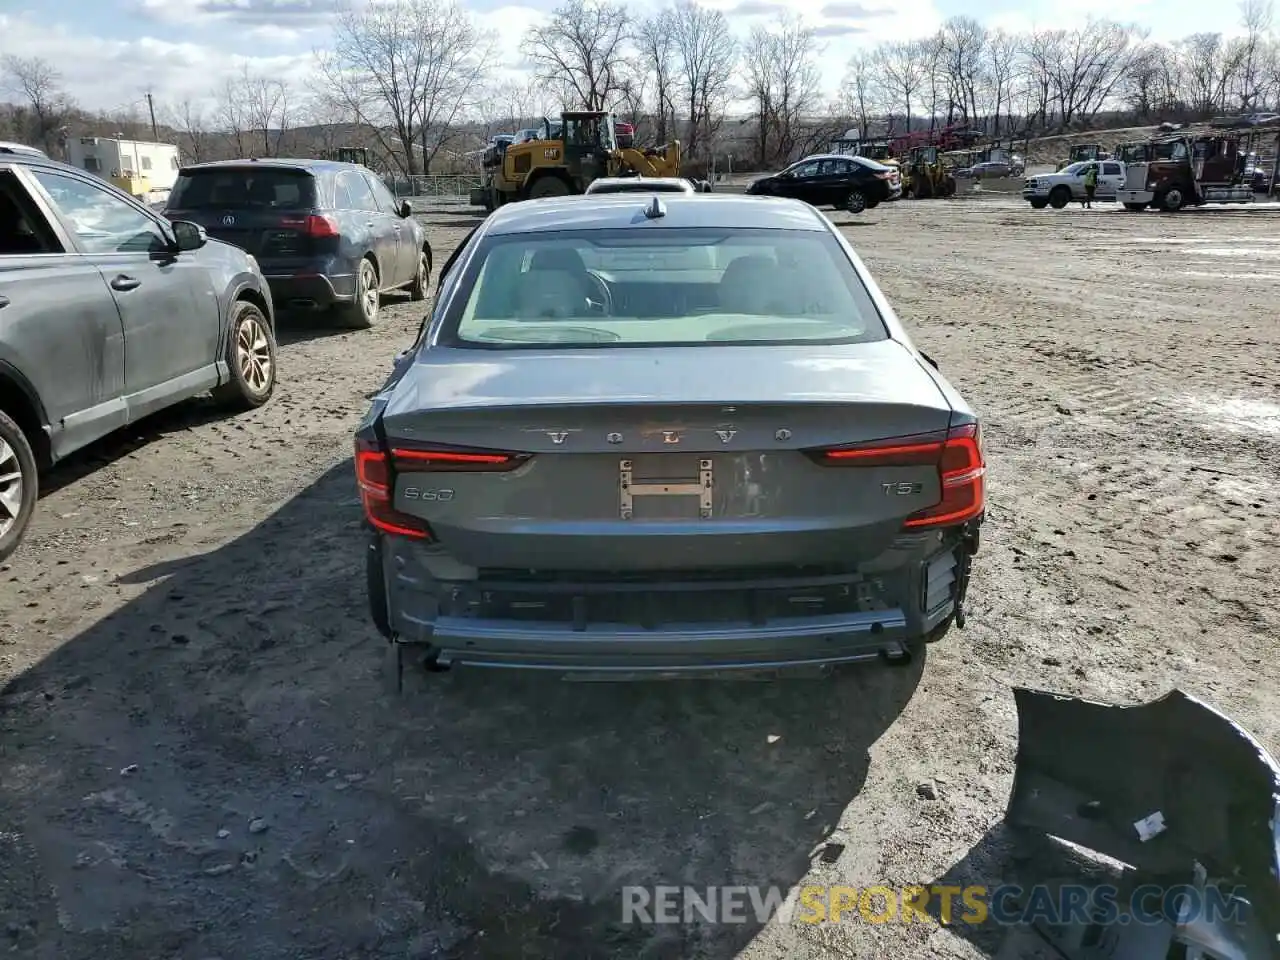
244, 188
358, 190
386, 202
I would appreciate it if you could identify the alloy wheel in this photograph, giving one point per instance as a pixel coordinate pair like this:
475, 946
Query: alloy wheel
12, 487
253, 353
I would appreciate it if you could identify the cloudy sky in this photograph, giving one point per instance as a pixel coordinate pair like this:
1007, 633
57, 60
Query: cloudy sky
111, 51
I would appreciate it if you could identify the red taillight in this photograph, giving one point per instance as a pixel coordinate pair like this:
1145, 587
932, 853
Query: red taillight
885, 176
321, 226
315, 225
373, 476
957, 456
471, 461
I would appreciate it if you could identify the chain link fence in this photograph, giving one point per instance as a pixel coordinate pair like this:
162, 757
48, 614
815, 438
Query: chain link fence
444, 189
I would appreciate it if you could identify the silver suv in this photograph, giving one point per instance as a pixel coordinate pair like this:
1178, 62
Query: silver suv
109, 312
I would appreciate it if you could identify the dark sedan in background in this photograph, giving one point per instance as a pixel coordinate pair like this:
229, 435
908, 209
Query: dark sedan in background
846, 183
328, 235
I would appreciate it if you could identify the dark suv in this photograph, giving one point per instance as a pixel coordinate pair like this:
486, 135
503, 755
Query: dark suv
329, 235
109, 312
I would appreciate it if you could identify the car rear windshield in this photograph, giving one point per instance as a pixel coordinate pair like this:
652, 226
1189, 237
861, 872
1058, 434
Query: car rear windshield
645, 286
640, 187
244, 187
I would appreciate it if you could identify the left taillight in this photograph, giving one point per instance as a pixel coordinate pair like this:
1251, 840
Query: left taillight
376, 470
957, 456
374, 478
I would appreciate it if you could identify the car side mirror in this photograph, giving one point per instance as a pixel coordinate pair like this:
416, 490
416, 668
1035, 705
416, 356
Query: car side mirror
188, 235
406, 211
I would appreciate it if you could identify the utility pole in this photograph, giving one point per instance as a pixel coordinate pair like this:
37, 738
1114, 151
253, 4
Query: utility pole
155, 131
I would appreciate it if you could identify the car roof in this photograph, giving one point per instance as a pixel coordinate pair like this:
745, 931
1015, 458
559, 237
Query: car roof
278, 163
10, 148
656, 182
615, 211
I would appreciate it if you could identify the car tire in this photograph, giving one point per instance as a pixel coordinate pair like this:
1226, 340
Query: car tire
549, 187
251, 359
1039, 204
362, 312
19, 485
421, 285
1172, 200
855, 202
1059, 197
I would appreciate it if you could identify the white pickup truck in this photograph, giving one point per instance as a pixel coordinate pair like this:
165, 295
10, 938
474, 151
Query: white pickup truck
1058, 189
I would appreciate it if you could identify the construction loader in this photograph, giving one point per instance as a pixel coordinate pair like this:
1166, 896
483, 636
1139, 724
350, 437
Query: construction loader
925, 176
565, 157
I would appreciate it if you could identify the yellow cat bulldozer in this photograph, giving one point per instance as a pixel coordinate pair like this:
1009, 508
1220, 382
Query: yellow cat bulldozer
925, 176
565, 157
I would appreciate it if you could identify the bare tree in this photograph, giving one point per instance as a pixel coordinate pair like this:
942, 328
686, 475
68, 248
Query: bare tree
859, 93
409, 70
1256, 17
706, 54
962, 45
266, 106
902, 68
583, 44
1002, 66
231, 114
656, 41
782, 74
189, 120
39, 84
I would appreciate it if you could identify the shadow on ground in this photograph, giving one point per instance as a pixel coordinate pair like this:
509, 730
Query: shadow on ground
215, 770
129, 439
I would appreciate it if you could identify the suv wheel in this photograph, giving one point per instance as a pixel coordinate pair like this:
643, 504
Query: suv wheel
422, 282
1059, 197
19, 483
362, 312
251, 357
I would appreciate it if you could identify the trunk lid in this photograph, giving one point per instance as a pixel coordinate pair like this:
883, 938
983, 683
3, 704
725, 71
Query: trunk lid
262, 210
683, 458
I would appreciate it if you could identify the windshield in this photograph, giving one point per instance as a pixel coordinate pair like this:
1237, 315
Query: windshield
241, 187
1077, 168
1174, 150
660, 287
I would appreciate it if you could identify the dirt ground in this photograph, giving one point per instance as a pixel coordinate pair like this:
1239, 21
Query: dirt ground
197, 760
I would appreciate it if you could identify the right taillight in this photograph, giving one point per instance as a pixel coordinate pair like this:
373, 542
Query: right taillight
963, 471
957, 455
318, 225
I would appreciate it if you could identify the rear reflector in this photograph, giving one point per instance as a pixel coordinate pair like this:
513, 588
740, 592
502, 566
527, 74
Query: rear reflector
957, 455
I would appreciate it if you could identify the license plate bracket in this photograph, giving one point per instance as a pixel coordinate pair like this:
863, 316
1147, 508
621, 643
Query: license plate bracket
629, 488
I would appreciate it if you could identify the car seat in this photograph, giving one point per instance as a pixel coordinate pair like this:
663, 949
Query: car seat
15, 235
753, 284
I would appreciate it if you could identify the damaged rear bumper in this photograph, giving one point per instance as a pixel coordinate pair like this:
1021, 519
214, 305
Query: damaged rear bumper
671, 623
1180, 795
